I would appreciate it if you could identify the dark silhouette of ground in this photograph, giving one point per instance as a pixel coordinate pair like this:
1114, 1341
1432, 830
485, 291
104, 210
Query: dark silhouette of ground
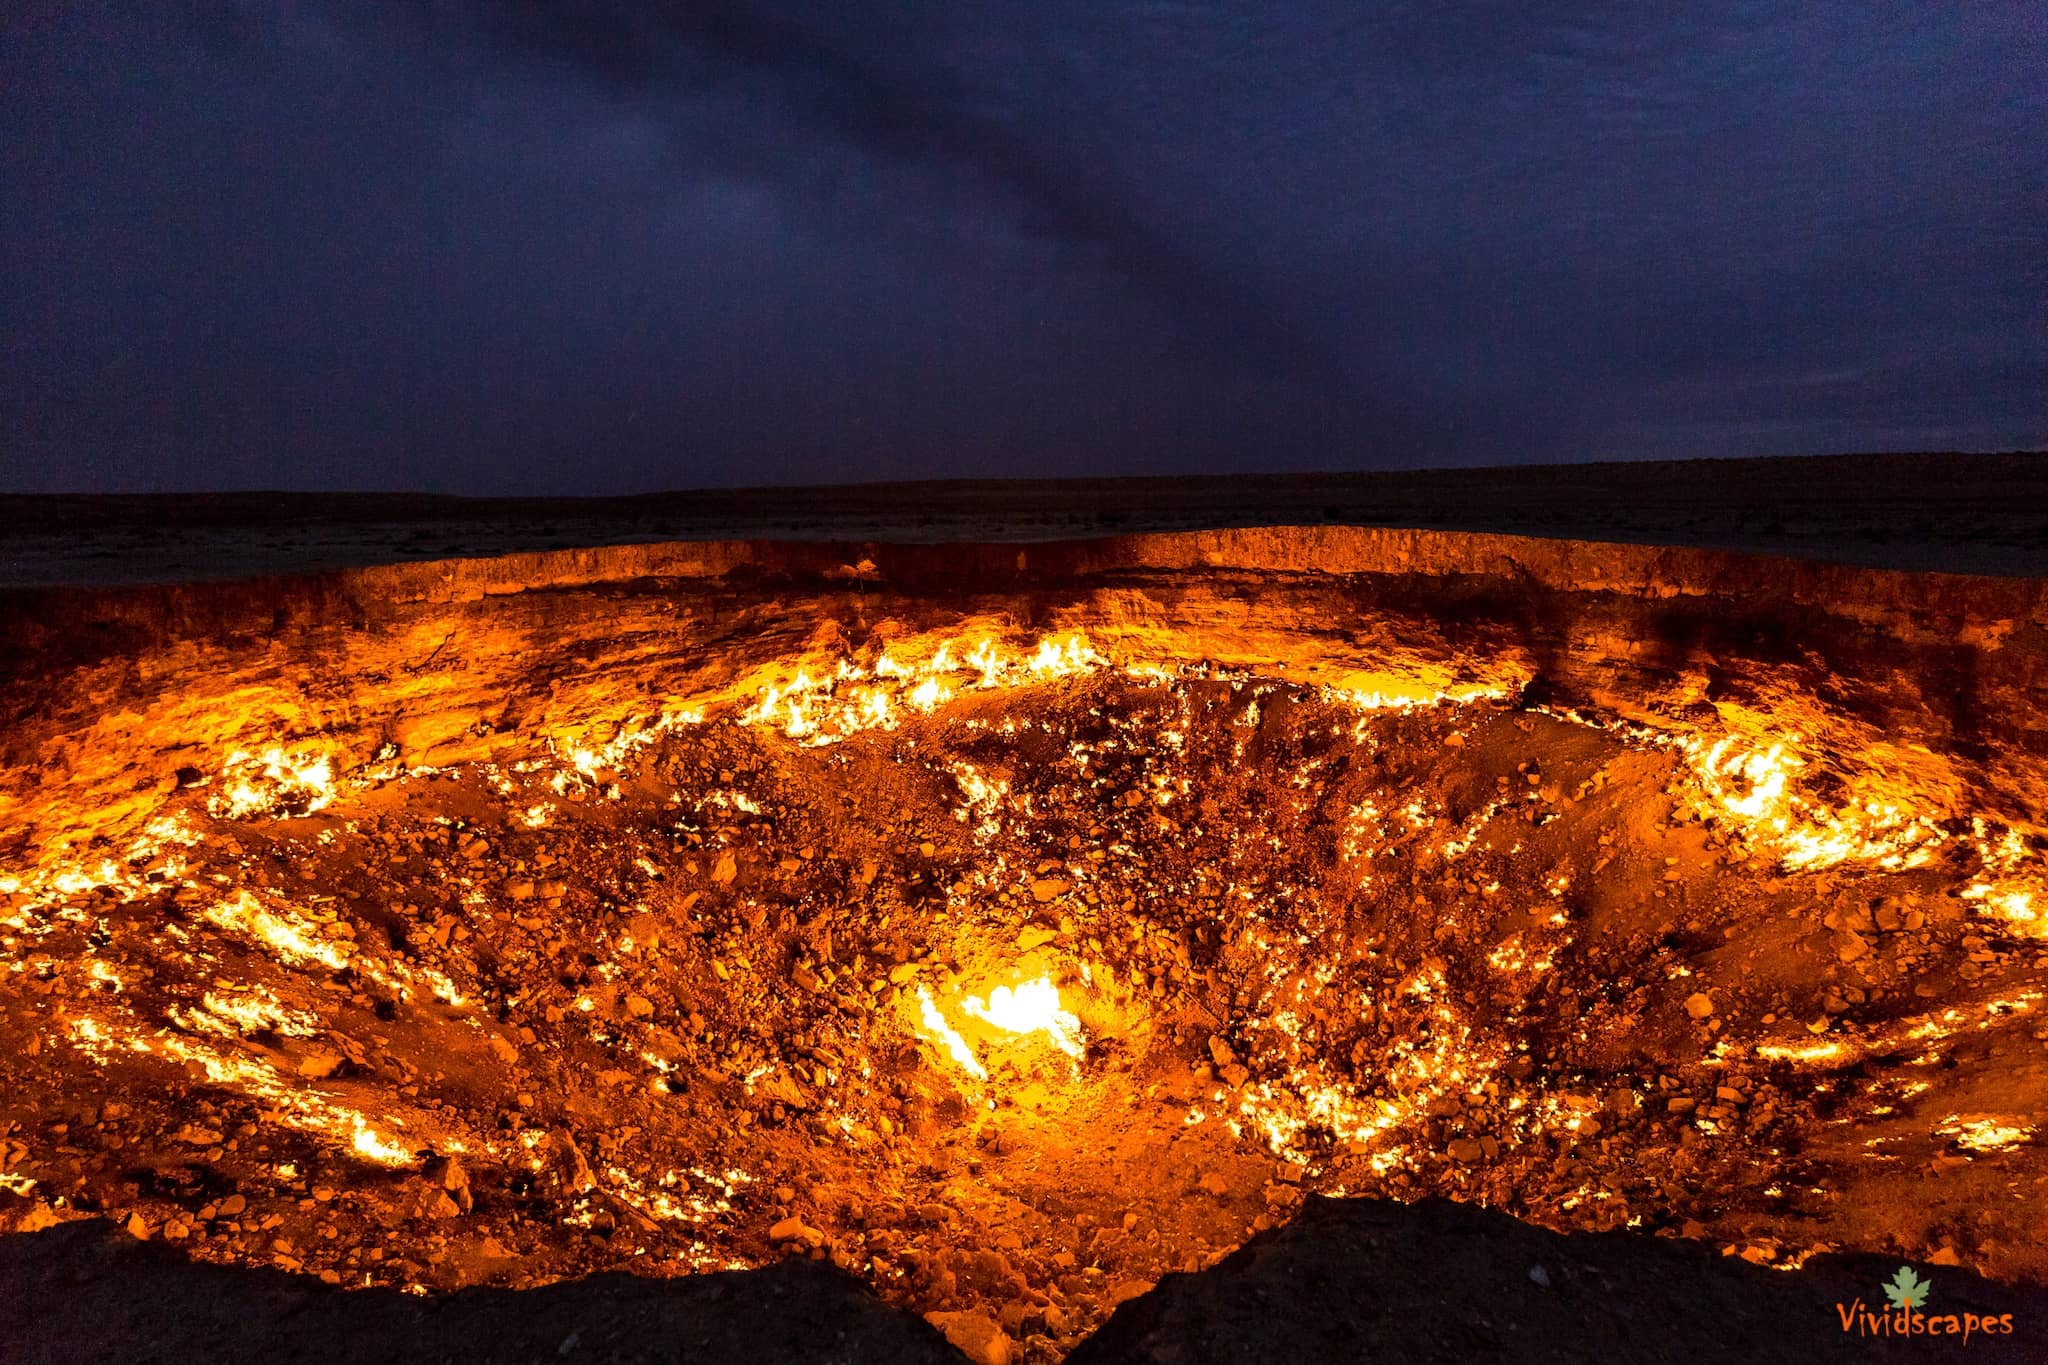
85, 1291
1957, 513
1438, 1283
1347, 1280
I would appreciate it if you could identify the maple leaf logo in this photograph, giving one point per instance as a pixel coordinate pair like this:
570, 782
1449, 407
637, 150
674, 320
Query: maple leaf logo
1906, 1289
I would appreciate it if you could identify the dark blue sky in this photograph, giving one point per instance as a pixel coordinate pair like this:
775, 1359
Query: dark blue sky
561, 247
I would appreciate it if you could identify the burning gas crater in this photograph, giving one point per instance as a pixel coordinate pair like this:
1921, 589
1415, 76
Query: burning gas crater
1012, 972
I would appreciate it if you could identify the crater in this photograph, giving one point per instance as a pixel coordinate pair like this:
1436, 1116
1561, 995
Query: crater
1013, 927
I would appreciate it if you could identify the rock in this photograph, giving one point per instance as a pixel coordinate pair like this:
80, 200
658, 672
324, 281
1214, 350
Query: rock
639, 1006
1220, 1051
1945, 1256
519, 889
902, 973
1465, 1150
137, 1228
1849, 946
233, 1206
1214, 1183
1699, 1004
503, 1047
319, 1063
975, 1335
194, 1135
1044, 889
1034, 936
455, 1180
726, 868
794, 1229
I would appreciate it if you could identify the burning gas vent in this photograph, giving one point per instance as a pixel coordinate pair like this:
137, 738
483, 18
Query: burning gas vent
1010, 934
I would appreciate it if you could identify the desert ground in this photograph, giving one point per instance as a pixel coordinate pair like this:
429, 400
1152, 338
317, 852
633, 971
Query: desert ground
1954, 513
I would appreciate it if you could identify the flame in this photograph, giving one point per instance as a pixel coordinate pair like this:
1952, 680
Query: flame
1753, 787
2003, 888
832, 705
936, 1030
590, 759
287, 933
299, 1106
1983, 1132
1030, 1007
275, 783
368, 1145
1808, 1053
256, 1010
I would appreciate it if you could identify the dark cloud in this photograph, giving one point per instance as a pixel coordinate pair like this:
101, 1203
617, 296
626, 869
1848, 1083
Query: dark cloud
569, 247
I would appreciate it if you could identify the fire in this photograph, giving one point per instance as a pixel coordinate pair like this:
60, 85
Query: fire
1983, 1132
831, 705
590, 759
371, 1147
2004, 888
285, 932
276, 782
936, 1030
256, 1010
1805, 1053
1030, 1007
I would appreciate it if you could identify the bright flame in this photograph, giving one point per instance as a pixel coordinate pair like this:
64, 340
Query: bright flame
828, 706
1983, 1133
1031, 1007
934, 1027
287, 933
275, 782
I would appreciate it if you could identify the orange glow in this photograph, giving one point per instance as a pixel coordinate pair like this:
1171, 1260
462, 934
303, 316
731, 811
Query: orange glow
828, 705
1030, 1007
933, 1026
275, 782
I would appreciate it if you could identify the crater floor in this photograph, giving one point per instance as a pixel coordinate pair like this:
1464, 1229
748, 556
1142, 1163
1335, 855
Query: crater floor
1012, 999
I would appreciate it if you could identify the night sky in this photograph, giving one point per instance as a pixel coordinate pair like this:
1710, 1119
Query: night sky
608, 247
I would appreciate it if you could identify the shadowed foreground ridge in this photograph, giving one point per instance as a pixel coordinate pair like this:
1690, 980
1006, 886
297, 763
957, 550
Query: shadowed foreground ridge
1352, 1279
1437, 1281
85, 1291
